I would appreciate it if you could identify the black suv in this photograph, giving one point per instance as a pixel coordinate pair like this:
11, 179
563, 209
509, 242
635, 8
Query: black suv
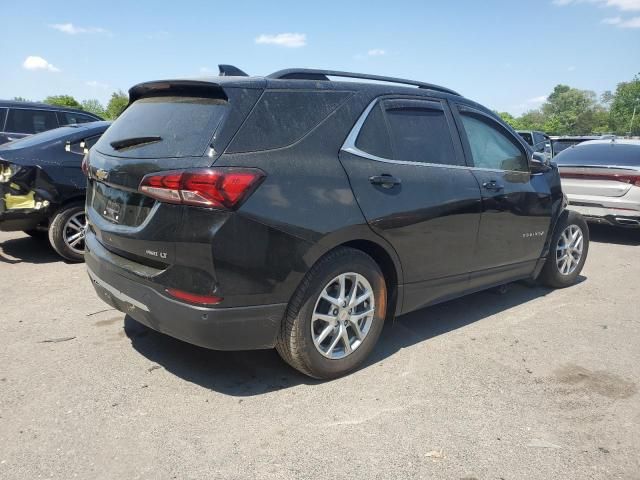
300, 212
42, 187
20, 119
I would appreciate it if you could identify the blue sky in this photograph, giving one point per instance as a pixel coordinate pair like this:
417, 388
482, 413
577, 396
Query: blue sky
507, 55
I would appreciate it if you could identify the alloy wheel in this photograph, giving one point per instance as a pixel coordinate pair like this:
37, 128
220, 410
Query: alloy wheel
343, 315
74, 232
569, 249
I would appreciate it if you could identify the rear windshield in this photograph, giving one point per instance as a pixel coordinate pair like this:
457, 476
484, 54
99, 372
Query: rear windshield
182, 127
613, 154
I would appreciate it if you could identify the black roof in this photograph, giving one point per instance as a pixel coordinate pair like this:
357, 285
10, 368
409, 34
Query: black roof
41, 106
231, 76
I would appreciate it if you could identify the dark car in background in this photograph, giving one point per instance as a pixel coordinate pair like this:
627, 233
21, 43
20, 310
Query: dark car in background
538, 141
561, 143
300, 212
42, 186
20, 119
601, 179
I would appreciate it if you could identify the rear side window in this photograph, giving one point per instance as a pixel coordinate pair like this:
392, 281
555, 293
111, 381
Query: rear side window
281, 118
30, 121
69, 118
374, 136
419, 132
491, 147
183, 126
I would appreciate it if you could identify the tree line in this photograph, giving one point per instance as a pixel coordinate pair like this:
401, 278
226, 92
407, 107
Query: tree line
570, 111
116, 105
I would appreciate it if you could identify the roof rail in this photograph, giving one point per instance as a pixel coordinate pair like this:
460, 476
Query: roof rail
323, 75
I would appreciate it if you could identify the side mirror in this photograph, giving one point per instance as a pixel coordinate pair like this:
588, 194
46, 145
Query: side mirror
539, 163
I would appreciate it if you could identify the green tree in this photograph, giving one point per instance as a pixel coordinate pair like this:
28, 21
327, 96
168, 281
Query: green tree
570, 111
94, 106
63, 101
625, 99
20, 99
118, 102
508, 118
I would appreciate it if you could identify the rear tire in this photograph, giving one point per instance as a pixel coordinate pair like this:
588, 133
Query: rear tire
327, 339
66, 233
567, 253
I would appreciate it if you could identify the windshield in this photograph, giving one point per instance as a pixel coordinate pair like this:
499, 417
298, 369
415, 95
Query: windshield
183, 127
39, 138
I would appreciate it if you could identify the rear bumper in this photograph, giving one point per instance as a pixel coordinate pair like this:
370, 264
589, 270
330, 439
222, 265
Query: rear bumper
611, 216
232, 328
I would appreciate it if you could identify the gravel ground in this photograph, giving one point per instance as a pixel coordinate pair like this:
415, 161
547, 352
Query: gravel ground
532, 383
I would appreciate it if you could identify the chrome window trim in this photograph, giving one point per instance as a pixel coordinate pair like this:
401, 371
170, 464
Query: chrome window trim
349, 146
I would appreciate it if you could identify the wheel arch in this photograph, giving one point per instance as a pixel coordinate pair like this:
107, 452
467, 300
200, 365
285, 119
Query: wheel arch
365, 240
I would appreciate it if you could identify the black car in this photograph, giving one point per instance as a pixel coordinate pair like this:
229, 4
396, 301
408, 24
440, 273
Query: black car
561, 143
540, 142
20, 119
300, 212
42, 187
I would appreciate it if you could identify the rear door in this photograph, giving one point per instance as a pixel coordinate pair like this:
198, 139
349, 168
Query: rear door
407, 171
516, 205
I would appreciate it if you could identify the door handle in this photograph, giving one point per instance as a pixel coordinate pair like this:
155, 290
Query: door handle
493, 185
385, 180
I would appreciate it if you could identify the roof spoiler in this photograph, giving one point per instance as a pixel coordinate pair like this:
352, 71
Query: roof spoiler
187, 88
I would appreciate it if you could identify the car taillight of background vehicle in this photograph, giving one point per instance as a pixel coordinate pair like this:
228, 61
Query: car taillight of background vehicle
633, 179
203, 187
85, 166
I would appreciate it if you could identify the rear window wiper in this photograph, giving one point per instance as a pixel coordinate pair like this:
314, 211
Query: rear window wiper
133, 142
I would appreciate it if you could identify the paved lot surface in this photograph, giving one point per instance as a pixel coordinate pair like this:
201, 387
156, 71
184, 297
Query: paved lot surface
529, 384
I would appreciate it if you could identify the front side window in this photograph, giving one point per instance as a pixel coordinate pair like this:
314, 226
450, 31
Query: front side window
490, 146
30, 121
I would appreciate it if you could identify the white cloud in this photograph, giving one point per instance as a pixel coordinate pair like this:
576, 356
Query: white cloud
631, 23
376, 52
624, 5
33, 62
290, 40
71, 29
540, 99
612, 20
96, 84
571, 68
207, 70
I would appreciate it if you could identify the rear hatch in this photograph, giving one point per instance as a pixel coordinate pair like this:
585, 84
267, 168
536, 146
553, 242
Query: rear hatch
168, 126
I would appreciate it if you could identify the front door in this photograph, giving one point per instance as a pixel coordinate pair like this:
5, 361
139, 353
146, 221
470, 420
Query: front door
408, 174
516, 205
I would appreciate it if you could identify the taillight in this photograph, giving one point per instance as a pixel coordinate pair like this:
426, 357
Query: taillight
617, 177
203, 187
194, 297
85, 166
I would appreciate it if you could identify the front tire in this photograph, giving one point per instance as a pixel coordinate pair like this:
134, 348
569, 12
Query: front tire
336, 315
66, 232
568, 251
